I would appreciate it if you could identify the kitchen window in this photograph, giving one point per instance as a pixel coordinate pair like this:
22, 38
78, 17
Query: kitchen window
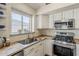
26, 24
20, 23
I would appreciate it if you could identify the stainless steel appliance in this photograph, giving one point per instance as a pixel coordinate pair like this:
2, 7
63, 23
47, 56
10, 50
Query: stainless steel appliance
70, 24
64, 44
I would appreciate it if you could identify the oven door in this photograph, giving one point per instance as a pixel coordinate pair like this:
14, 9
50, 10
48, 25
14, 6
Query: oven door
62, 51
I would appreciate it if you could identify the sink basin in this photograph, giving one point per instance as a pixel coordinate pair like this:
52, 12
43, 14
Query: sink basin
27, 41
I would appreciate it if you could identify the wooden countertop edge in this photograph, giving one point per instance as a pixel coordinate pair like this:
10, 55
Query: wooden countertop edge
76, 40
43, 36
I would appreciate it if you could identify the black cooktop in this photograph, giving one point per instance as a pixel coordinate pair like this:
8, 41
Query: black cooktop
68, 39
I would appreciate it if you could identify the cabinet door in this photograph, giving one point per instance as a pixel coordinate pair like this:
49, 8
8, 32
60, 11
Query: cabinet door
52, 47
41, 51
39, 48
51, 21
68, 14
76, 16
33, 53
39, 21
44, 46
53, 18
77, 49
29, 50
36, 50
48, 47
45, 21
57, 16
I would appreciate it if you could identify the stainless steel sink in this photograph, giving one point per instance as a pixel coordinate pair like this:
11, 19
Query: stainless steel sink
27, 41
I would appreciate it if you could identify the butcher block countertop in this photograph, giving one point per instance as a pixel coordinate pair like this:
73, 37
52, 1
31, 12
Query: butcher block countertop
76, 41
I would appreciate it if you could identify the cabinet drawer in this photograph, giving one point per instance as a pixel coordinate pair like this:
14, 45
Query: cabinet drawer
34, 53
34, 50
38, 51
28, 50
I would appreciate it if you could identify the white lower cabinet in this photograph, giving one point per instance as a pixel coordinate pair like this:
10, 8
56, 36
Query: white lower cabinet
48, 47
40, 49
34, 50
77, 49
33, 53
28, 50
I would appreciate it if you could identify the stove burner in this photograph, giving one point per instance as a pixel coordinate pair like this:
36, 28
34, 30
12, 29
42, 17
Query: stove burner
68, 39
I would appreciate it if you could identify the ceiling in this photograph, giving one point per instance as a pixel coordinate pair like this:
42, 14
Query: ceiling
36, 5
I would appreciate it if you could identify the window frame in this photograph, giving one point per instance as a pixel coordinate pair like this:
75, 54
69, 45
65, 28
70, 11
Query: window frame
23, 14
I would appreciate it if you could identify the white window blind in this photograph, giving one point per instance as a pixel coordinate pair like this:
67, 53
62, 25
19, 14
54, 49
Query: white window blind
20, 23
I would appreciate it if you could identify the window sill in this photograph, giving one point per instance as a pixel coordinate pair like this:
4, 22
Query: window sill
21, 34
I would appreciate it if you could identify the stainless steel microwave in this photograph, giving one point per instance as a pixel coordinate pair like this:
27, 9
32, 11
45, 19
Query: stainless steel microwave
70, 24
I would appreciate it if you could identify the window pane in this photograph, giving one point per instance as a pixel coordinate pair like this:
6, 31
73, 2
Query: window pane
20, 23
26, 23
16, 16
16, 22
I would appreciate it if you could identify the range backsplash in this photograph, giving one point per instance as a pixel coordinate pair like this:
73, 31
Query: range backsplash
53, 32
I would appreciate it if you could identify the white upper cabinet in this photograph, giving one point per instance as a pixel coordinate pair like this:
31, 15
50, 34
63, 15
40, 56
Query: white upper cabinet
39, 20
53, 18
57, 16
76, 16
68, 14
51, 21
61, 16
43, 21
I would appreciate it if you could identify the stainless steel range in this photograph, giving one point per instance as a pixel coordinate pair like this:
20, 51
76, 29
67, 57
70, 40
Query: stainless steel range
64, 44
